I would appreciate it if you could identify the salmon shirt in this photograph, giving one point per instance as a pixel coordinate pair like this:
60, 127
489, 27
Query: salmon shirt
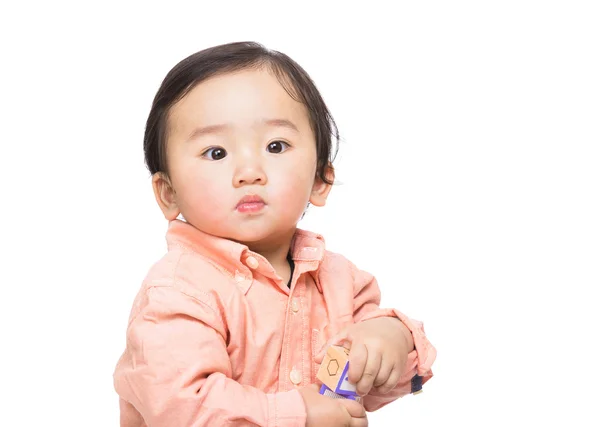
216, 338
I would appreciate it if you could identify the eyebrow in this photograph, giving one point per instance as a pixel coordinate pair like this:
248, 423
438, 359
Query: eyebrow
215, 129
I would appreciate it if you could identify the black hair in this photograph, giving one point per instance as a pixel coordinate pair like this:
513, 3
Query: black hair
231, 57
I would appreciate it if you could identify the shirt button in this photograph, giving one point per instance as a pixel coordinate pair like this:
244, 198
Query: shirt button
295, 377
295, 305
252, 262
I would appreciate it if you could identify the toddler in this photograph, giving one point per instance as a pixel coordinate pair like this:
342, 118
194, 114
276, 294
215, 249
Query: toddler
231, 324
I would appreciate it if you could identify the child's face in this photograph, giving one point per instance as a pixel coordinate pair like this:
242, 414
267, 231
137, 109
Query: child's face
232, 136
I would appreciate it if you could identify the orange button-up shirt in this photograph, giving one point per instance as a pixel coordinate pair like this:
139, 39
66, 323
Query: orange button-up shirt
215, 337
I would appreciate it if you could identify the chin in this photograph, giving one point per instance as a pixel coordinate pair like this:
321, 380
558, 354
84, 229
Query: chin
250, 236
257, 233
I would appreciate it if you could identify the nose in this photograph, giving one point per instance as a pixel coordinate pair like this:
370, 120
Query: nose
249, 172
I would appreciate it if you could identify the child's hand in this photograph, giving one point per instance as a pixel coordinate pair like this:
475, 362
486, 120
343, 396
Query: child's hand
378, 351
324, 411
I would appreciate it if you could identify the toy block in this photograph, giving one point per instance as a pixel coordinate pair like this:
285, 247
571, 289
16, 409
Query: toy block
333, 372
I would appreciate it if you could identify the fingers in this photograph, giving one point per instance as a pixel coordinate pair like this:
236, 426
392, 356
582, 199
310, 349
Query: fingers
358, 360
394, 376
392, 381
385, 370
370, 371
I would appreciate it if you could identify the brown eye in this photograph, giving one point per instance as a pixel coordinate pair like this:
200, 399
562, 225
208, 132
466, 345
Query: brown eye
215, 153
277, 147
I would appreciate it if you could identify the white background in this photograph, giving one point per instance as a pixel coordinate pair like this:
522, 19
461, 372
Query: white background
469, 185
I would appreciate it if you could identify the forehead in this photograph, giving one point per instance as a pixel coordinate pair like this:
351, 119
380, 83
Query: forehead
242, 99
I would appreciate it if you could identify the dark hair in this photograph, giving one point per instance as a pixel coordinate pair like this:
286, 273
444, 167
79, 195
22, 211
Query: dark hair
229, 58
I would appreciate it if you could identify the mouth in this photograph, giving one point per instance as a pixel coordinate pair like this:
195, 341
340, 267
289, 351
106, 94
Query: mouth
250, 204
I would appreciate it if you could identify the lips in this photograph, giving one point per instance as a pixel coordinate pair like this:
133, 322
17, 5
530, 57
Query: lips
250, 203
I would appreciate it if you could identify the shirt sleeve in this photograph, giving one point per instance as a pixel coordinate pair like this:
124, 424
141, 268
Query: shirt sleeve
176, 370
418, 365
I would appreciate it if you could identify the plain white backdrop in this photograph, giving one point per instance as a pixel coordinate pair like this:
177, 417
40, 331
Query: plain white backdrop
469, 185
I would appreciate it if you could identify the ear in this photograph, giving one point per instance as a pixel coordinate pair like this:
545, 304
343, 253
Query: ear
165, 195
321, 189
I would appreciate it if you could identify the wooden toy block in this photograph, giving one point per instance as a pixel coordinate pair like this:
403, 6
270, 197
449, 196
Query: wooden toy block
333, 372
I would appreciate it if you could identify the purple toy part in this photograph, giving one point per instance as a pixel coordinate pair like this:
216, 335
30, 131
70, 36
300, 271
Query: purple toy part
326, 391
347, 393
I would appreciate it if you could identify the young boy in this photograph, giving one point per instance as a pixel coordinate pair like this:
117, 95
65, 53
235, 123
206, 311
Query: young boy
230, 326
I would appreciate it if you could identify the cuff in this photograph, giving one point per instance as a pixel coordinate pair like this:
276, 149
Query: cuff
426, 353
286, 409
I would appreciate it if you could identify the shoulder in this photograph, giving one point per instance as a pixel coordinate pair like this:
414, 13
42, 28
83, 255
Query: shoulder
336, 261
183, 284
339, 271
189, 273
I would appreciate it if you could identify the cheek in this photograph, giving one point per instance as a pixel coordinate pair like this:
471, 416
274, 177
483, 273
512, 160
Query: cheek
293, 192
204, 194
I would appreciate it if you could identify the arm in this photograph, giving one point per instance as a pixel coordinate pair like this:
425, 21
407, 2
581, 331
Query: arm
422, 354
176, 370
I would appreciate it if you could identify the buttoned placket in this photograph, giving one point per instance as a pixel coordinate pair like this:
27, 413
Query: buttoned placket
292, 367
296, 360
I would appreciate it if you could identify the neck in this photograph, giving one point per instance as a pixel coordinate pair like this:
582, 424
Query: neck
276, 251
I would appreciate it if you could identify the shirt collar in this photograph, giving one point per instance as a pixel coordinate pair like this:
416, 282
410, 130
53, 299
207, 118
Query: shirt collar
238, 261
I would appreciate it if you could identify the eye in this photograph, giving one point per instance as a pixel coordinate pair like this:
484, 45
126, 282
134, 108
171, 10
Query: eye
277, 147
215, 153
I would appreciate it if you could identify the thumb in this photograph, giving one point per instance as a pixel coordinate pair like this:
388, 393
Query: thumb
314, 387
355, 409
340, 338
